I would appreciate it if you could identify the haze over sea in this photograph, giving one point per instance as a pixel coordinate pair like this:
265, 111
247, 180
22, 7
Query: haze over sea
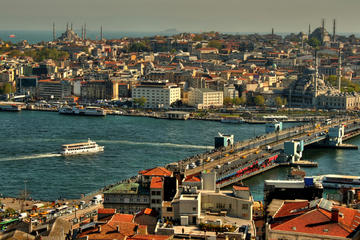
30, 142
36, 36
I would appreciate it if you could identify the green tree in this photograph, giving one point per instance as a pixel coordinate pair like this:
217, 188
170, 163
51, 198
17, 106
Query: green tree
198, 37
139, 47
314, 42
215, 44
239, 100
259, 100
7, 89
228, 101
279, 101
140, 101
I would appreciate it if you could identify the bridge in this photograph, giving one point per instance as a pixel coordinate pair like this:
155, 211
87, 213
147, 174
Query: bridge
250, 157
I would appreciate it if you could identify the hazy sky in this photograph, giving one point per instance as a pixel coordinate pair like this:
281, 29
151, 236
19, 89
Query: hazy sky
184, 15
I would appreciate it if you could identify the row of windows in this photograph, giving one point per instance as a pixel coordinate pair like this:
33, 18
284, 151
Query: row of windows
156, 201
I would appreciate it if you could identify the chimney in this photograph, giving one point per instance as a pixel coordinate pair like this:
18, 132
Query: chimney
117, 229
335, 214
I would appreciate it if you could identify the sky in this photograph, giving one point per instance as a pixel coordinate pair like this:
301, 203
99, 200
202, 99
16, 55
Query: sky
184, 15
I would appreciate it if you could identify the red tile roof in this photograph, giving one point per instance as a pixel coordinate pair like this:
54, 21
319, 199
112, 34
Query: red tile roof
317, 222
158, 171
192, 178
106, 211
149, 237
156, 182
291, 208
121, 218
240, 188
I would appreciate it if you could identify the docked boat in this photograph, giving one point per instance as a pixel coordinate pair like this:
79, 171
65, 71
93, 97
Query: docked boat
81, 148
231, 119
10, 107
87, 111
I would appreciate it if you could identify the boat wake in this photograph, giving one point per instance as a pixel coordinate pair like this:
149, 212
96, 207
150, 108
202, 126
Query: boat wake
34, 156
174, 145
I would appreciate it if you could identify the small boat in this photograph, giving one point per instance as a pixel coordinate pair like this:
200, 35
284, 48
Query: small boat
10, 107
231, 119
81, 148
12, 36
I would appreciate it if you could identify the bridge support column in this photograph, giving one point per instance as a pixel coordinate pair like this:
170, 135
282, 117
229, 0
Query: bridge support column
293, 149
335, 136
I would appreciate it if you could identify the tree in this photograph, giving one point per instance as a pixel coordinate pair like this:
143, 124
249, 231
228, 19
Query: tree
239, 100
279, 101
7, 89
259, 100
314, 42
228, 101
140, 101
139, 47
215, 44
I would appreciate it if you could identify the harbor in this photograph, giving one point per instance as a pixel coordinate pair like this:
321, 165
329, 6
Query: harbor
126, 149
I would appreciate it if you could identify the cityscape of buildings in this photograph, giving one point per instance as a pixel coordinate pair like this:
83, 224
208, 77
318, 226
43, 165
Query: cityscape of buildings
190, 72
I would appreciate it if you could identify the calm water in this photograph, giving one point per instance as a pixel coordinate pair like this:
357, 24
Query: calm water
30, 142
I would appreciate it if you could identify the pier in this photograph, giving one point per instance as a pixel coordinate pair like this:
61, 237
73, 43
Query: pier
244, 159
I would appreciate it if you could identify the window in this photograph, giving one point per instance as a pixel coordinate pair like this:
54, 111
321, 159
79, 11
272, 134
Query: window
169, 209
153, 201
194, 209
244, 206
153, 192
158, 193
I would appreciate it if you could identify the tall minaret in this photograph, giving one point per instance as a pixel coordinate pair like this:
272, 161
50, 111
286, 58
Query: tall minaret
316, 72
71, 27
309, 30
334, 30
101, 33
85, 31
339, 71
82, 32
54, 33
67, 26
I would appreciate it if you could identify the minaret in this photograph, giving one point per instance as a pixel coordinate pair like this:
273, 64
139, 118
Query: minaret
101, 33
309, 30
67, 26
54, 33
82, 32
339, 71
71, 27
323, 25
85, 31
334, 30
316, 73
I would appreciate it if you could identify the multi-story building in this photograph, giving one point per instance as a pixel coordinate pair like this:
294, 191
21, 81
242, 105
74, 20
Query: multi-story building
99, 89
50, 89
205, 98
127, 198
157, 94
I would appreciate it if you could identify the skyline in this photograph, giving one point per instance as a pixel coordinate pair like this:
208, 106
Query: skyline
185, 16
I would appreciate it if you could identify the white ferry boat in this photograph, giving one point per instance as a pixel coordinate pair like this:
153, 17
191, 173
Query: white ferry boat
81, 148
87, 111
230, 119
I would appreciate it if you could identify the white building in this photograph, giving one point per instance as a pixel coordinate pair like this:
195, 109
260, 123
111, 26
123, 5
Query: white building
157, 94
205, 98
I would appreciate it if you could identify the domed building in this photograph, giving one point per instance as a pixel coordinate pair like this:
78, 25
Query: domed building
321, 34
69, 35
